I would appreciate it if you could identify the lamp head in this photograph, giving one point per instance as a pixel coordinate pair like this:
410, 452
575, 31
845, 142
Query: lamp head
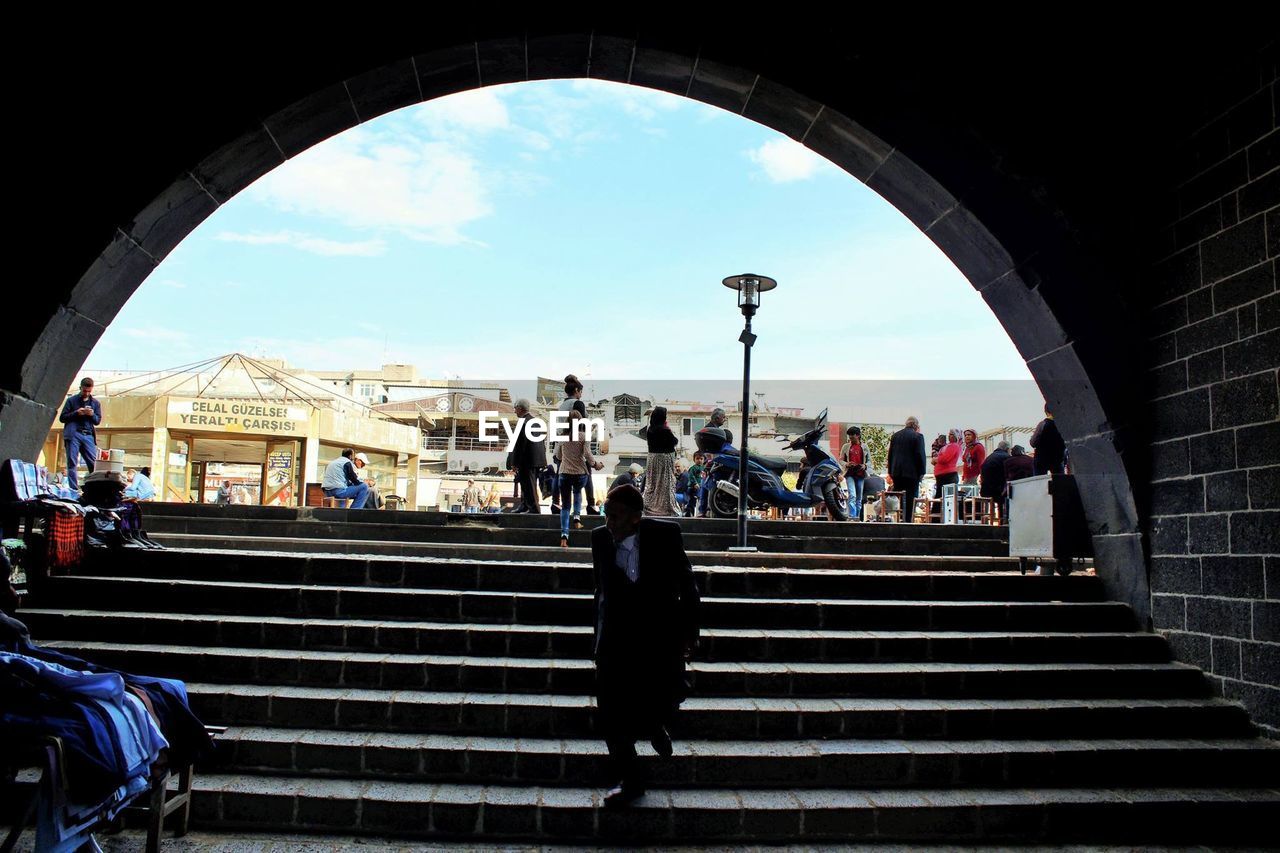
749, 287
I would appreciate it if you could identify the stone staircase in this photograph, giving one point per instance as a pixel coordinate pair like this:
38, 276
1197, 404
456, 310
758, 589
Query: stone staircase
868, 689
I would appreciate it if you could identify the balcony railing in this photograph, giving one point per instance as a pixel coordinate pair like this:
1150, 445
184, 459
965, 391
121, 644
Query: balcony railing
475, 444
463, 443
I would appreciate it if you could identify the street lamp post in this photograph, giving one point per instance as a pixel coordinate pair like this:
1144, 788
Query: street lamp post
749, 287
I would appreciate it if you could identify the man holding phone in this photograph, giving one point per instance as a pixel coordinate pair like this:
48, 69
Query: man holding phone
80, 414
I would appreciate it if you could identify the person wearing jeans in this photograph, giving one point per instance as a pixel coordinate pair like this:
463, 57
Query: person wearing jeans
80, 414
341, 481
576, 463
854, 456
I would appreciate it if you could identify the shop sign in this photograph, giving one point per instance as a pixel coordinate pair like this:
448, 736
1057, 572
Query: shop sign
237, 416
279, 474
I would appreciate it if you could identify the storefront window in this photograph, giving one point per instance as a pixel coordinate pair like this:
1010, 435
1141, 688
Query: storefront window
178, 472
245, 479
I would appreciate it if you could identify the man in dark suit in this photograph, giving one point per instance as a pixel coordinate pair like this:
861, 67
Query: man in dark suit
528, 458
646, 627
993, 478
81, 413
907, 464
1051, 450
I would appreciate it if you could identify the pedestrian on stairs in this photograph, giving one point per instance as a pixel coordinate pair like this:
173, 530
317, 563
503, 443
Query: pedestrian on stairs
646, 627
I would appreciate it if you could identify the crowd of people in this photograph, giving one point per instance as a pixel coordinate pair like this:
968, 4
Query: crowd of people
667, 485
958, 459
671, 487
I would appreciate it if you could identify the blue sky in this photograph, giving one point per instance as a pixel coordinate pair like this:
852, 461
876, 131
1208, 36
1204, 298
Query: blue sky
544, 228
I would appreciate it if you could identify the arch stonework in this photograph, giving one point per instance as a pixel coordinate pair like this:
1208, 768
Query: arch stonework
1025, 231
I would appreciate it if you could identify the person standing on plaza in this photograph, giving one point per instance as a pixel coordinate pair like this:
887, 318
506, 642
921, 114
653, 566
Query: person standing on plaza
571, 403
906, 464
645, 628
527, 459
946, 466
993, 478
1051, 450
855, 458
223, 498
471, 498
576, 465
718, 419
81, 413
659, 469
694, 488
972, 457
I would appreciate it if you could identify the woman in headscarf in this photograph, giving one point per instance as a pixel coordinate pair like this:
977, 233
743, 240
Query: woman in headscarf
660, 469
974, 455
947, 464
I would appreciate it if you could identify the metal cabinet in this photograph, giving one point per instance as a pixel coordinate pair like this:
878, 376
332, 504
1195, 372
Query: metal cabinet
1046, 521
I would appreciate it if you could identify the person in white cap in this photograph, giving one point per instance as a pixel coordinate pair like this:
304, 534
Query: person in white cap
630, 477
341, 480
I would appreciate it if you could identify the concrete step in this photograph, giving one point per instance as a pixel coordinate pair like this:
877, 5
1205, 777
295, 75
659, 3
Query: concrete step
738, 816
561, 715
343, 602
579, 553
546, 521
575, 676
884, 577
742, 644
809, 538
826, 763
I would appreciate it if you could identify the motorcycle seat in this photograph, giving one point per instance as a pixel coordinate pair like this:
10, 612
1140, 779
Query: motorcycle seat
776, 464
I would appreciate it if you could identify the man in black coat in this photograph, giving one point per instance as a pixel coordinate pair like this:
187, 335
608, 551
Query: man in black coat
1051, 450
907, 464
993, 477
646, 627
528, 458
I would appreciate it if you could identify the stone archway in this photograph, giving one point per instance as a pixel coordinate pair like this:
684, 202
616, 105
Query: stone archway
1029, 269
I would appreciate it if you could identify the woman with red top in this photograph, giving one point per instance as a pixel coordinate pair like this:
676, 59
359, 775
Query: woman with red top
974, 455
856, 461
947, 464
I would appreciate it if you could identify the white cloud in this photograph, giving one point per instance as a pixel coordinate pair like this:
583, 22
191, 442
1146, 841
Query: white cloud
636, 101
784, 160
426, 190
307, 243
173, 283
476, 111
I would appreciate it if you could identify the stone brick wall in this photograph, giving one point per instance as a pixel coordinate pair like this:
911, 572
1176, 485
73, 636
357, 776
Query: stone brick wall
1214, 350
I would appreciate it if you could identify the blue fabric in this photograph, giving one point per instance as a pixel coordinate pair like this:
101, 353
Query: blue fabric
109, 735
855, 485
187, 738
358, 494
570, 483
